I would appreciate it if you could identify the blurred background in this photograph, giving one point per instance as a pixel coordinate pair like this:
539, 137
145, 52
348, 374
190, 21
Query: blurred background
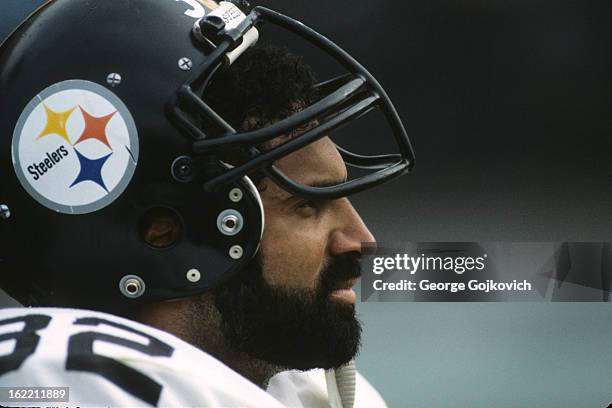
508, 105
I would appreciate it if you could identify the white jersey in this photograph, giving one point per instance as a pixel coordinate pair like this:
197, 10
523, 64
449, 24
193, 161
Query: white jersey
108, 361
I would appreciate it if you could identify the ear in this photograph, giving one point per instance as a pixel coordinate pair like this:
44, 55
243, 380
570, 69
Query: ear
160, 227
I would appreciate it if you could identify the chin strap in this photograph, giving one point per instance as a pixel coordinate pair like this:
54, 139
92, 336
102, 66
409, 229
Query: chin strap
341, 385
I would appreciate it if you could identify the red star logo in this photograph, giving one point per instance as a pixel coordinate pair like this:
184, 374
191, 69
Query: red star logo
95, 128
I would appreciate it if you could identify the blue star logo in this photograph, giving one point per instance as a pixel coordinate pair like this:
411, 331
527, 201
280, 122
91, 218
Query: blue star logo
91, 170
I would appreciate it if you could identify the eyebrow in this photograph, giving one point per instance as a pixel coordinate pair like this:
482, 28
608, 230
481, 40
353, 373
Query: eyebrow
327, 183
319, 183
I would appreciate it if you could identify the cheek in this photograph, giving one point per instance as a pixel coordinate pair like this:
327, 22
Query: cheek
292, 257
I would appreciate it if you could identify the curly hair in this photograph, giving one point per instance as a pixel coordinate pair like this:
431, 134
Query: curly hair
266, 84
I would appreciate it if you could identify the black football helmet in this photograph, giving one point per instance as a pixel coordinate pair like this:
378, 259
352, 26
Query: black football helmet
103, 120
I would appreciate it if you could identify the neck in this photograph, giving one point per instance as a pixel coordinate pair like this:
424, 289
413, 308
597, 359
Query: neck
257, 371
197, 321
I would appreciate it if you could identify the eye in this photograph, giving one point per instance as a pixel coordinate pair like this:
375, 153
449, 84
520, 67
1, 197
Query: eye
308, 208
308, 204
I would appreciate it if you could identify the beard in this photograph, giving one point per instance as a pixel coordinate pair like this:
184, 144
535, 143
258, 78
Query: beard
295, 328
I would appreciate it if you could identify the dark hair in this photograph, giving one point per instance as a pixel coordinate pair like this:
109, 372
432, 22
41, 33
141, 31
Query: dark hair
265, 84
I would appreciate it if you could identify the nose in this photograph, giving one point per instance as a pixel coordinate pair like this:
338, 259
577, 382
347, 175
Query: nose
350, 232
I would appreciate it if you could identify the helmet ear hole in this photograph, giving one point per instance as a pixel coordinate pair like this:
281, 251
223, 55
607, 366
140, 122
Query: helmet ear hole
160, 227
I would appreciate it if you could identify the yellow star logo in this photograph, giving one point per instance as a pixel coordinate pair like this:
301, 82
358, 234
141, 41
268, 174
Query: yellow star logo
56, 124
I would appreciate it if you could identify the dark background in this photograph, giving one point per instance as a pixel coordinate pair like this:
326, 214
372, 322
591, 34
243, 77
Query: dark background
508, 106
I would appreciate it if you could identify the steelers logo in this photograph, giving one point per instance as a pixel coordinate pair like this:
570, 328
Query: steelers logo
75, 147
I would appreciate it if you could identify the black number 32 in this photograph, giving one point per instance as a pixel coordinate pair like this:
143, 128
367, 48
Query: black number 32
81, 356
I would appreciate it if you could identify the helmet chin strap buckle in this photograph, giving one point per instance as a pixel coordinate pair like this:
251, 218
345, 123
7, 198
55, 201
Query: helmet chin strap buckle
226, 22
211, 28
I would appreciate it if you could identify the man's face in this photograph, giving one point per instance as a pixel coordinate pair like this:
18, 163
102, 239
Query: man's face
293, 306
301, 237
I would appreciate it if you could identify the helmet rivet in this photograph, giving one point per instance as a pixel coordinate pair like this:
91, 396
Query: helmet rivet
182, 169
132, 286
113, 79
230, 222
193, 275
235, 194
185, 64
5, 212
235, 252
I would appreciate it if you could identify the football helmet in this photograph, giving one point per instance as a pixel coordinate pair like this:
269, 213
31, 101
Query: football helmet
104, 120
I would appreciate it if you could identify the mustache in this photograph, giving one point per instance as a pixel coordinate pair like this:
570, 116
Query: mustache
341, 268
